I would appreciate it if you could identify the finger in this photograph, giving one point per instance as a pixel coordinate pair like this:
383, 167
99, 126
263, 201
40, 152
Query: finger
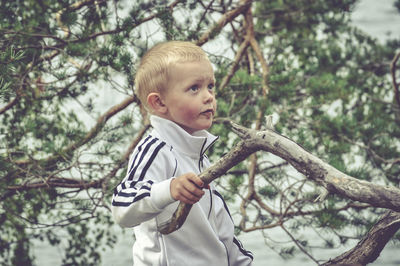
192, 192
196, 180
193, 189
188, 199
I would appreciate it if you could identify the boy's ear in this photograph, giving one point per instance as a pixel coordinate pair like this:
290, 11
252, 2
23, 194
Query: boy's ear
155, 102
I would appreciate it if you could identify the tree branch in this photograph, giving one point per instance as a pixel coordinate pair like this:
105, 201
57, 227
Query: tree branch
299, 245
225, 19
311, 166
239, 54
369, 248
395, 84
254, 44
9, 105
58, 182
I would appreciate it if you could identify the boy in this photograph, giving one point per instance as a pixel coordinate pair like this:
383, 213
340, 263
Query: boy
175, 82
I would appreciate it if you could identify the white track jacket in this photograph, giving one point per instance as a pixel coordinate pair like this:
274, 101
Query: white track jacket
143, 201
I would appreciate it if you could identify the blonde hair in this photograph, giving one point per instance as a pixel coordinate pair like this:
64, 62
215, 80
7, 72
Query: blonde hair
152, 73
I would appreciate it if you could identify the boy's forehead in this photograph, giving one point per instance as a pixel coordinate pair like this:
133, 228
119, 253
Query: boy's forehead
197, 69
186, 73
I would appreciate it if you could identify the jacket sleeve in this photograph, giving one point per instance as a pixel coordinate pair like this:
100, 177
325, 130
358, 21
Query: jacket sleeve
238, 256
145, 190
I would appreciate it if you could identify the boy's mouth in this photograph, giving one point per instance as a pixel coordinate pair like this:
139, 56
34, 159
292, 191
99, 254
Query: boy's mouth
208, 112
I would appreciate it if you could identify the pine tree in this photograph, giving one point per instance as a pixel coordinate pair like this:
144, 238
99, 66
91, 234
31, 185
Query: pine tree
69, 116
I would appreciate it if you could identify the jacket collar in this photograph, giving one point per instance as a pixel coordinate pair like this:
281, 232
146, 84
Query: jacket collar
192, 145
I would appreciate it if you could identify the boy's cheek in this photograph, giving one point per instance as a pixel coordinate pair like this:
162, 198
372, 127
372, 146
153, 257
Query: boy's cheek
190, 113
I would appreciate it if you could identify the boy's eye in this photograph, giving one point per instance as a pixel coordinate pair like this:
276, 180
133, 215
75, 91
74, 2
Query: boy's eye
211, 86
194, 88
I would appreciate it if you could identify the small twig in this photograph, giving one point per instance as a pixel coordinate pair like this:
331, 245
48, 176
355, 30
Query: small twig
239, 54
296, 242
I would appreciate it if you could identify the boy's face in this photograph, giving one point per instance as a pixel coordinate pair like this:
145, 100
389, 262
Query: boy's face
189, 96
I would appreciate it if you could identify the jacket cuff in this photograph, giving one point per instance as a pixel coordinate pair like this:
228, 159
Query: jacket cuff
161, 194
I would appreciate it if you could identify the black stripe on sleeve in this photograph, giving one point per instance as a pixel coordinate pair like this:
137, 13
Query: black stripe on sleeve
139, 150
141, 196
133, 194
150, 161
146, 149
150, 182
136, 195
125, 204
121, 204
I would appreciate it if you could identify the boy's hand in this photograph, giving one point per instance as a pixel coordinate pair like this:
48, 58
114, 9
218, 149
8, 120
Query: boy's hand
187, 188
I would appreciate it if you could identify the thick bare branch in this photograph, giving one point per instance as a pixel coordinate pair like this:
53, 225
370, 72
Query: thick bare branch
311, 166
369, 248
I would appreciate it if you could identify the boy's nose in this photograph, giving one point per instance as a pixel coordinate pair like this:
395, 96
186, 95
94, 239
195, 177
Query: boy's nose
209, 96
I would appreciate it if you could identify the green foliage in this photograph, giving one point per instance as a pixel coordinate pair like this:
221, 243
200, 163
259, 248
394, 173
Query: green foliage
81, 250
269, 192
287, 252
328, 217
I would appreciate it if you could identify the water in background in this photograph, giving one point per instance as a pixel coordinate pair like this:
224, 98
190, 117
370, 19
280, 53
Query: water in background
381, 20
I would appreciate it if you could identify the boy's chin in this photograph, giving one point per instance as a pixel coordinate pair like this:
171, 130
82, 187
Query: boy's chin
206, 127
191, 130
